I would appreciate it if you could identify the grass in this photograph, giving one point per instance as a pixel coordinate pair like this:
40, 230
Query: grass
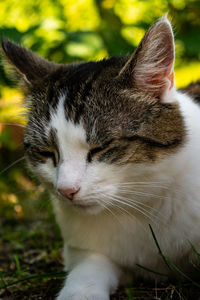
31, 265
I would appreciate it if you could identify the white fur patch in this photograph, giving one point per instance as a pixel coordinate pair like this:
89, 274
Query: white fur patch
123, 236
73, 149
119, 235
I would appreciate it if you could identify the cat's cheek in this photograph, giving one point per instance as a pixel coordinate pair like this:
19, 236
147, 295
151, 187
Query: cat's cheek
102, 178
46, 172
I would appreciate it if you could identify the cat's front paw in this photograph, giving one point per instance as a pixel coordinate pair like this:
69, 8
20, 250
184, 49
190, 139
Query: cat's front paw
86, 293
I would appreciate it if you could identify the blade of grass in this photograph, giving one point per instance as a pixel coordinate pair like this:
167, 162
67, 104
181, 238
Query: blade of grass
183, 274
152, 271
2, 280
129, 293
159, 249
195, 251
50, 275
169, 263
17, 263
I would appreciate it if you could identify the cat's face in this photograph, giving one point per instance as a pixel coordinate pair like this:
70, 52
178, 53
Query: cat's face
93, 127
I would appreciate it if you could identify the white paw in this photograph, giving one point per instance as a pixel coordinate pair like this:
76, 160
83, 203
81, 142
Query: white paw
82, 293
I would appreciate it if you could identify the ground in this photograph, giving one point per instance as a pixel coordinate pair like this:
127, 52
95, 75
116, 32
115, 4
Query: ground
31, 264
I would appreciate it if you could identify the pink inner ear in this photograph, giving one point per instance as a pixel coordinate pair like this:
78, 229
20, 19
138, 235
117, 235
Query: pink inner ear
170, 77
161, 81
153, 71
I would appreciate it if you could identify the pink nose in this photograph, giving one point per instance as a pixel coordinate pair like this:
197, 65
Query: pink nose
68, 192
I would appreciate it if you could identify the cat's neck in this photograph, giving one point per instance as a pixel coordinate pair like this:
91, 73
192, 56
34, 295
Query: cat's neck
185, 163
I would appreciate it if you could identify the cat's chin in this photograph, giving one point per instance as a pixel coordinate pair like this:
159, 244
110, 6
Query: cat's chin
83, 208
93, 209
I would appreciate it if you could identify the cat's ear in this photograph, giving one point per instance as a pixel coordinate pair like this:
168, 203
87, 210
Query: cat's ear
29, 65
151, 67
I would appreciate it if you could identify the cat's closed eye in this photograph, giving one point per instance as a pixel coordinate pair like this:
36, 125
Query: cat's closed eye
98, 149
92, 152
44, 155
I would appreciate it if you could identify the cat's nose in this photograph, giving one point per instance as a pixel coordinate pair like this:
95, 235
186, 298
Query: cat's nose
68, 192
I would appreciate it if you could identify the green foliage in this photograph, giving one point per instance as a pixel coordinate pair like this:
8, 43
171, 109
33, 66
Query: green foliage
64, 31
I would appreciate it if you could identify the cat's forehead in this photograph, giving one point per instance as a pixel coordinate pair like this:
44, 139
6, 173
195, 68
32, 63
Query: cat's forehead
65, 128
88, 94
87, 124
83, 94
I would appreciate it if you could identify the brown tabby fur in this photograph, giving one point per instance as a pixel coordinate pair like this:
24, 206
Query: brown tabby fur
125, 122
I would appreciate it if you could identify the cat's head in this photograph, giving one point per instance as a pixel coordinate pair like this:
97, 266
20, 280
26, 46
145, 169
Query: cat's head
92, 127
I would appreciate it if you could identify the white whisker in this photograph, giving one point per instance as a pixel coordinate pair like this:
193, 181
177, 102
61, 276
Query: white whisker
145, 205
12, 164
12, 124
133, 206
103, 203
136, 184
143, 194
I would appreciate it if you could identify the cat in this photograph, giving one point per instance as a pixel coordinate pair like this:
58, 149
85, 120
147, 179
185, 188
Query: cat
118, 147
